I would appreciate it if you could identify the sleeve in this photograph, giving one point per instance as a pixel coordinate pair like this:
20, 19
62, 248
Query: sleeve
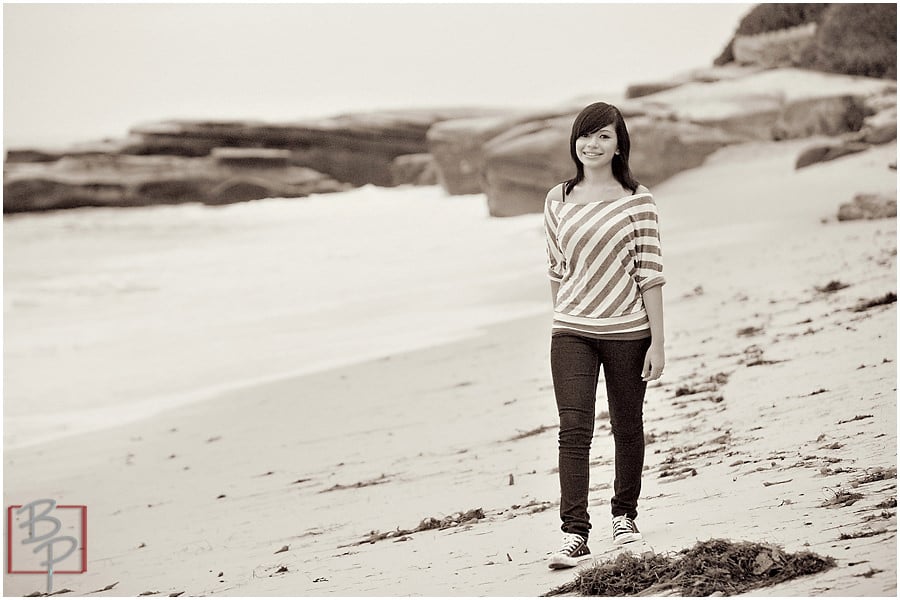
648, 252
556, 260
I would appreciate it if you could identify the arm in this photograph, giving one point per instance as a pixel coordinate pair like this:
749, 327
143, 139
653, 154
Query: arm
655, 360
554, 253
651, 282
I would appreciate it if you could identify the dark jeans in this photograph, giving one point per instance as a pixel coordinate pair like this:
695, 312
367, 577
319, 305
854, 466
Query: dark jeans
575, 362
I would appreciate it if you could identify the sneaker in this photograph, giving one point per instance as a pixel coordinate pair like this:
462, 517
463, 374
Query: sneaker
574, 550
625, 531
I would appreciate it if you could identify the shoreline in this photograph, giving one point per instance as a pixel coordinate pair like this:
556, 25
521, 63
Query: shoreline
98, 420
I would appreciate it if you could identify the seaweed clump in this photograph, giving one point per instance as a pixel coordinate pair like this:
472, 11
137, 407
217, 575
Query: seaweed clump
710, 567
425, 524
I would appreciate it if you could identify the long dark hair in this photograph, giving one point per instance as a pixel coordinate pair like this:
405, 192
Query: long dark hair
593, 118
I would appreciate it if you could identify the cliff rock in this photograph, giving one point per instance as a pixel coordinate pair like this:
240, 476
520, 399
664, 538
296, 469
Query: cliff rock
458, 146
120, 180
523, 163
353, 148
218, 162
779, 48
773, 104
819, 116
414, 169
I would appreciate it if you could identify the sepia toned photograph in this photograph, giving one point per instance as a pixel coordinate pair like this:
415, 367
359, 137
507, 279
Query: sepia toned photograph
507, 299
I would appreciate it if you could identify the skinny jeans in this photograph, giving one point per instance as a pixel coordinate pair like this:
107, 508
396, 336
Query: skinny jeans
575, 363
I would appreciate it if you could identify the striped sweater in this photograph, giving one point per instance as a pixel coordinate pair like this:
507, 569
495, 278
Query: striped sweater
604, 255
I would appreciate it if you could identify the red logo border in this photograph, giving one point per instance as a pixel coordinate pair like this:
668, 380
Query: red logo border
9, 542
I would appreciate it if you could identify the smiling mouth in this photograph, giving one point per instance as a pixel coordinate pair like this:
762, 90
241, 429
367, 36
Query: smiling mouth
592, 154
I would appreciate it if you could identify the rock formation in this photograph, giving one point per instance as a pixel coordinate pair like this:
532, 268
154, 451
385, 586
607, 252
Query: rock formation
220, 162
868, 206
826, 152
122, 180
414, 169
458, 146
513, 157
772, 49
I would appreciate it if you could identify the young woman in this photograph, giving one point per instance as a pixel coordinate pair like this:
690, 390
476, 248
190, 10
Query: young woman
606, 281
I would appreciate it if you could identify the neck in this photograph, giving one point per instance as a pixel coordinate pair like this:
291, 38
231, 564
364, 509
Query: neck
602, 177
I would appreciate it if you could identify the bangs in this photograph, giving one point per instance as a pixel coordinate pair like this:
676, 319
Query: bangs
594, 118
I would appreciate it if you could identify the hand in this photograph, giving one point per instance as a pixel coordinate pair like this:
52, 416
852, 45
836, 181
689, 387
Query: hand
654, 362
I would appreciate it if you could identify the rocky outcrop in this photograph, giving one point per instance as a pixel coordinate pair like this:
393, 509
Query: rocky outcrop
700, 75
773, 104
876, 115
217, 162
355, 148
639, 90
414, 169
819, 116
868, 206
121, 180
49, 155
880, 128
770, 119
512, 156
524, 163
880, 124
252, 158
772, 49
458, 146
826, 152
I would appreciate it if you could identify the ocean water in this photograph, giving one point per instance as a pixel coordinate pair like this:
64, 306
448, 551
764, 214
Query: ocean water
113, 315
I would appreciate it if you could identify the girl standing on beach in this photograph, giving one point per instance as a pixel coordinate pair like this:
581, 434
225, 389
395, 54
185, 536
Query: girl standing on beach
606, 281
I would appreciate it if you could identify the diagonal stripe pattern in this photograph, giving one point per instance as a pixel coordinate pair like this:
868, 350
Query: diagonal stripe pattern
604, 255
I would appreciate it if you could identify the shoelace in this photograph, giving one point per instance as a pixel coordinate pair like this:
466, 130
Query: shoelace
570, 542
625, 525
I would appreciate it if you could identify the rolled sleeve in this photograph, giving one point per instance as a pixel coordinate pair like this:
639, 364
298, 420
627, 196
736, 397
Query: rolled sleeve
648, 250
555, 258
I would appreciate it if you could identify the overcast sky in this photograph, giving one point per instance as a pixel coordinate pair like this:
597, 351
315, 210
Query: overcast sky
74, 72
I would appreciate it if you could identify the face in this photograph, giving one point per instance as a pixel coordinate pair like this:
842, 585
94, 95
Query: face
598, 148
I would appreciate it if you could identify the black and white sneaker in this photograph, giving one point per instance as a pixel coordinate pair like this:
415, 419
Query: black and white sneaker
574, 549
625, 531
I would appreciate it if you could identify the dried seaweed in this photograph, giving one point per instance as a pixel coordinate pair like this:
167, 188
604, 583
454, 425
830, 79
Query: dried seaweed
425, 524
856, 418
889, 298
876, 474
750, 331
832, 286
710, 567
531, 432
359, 484
863, 533
842, 498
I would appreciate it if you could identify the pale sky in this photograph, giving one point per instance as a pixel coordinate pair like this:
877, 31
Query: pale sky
76, 72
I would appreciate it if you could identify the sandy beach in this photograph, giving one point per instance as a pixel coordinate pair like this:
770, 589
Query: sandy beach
778, 395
